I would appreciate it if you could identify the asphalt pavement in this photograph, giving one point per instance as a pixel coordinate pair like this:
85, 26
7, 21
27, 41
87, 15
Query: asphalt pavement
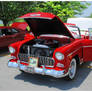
11, 79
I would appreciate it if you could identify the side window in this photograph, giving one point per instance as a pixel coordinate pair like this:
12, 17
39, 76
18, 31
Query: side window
14, 31
5, 32
9, 31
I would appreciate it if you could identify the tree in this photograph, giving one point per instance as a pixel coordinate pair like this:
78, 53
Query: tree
63, 9
11, 10
90, 16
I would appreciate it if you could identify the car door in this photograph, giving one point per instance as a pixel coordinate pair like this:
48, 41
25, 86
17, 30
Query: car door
4, 39
8, 37
87, 47
1, 39
17, 35
87, 50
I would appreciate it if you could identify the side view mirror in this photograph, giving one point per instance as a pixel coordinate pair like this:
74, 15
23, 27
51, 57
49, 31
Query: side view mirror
90, 33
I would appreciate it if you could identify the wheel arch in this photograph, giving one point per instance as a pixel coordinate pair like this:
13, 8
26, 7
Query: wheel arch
77, 59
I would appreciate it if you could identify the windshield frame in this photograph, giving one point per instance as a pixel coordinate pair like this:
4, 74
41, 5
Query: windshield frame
74, 27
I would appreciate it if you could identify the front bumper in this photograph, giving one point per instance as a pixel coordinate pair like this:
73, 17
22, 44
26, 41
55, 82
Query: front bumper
43, 71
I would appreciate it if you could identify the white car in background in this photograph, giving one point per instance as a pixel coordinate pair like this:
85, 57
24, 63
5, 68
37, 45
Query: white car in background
82, 23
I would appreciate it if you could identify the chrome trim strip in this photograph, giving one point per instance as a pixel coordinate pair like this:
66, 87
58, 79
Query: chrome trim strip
87, 46
24, 62
12, 64
44, 71
78, 49
73, 52
38, 18
37, 70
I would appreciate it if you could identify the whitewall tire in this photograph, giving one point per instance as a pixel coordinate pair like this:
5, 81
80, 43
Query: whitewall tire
72, 69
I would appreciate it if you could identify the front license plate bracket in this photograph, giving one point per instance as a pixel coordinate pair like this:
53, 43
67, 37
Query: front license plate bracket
30, 69
33, 62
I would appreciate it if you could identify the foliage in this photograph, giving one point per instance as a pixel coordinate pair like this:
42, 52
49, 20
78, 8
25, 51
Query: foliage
90, 16
12, 10
64, 9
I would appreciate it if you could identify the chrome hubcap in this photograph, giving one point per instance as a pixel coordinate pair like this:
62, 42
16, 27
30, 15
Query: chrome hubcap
72, 69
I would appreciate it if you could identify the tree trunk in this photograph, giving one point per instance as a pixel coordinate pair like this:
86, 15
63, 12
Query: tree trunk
5, 22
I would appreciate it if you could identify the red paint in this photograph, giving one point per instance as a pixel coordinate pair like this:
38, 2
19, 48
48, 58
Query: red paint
75, 48
20, 25
7, 39
70, 24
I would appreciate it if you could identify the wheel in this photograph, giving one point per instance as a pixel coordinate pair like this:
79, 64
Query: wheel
72, 70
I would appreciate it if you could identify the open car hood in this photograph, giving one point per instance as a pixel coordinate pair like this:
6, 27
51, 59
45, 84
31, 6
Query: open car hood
46, 23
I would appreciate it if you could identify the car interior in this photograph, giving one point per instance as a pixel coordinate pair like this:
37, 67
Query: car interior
4, 32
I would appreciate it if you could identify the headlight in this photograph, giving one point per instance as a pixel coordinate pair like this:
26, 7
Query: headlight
11, 50
59, 56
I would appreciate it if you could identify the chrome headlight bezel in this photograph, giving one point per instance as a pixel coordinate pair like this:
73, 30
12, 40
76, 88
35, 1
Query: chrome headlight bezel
59, 56
11, 49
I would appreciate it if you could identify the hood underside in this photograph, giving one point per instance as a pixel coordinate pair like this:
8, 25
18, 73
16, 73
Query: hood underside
46, 25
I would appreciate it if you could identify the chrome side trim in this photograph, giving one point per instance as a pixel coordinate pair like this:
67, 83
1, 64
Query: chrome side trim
73, 52
39, 17
78, 49
87, 46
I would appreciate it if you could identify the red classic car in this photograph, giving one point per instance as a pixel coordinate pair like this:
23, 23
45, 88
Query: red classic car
54, 51
10, 35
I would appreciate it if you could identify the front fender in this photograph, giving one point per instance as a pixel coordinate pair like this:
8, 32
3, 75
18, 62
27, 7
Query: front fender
17, 46
70, 50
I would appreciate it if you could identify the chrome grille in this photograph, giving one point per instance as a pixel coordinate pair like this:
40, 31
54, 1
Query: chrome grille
48, 61
23, 57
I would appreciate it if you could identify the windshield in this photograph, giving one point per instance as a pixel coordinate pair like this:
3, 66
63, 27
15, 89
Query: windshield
74, 30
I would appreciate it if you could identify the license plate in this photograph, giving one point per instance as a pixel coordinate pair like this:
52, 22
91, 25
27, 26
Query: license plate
33, 62
30, 69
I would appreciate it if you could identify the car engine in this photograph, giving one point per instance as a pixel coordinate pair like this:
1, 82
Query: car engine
42, 49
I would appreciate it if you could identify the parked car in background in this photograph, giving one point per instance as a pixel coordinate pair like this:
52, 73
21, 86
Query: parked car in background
54, 50
82, 23
10, 35
74, 30
20, 25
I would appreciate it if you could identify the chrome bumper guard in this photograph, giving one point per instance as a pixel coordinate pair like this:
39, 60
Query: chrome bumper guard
43, 71
12, 64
